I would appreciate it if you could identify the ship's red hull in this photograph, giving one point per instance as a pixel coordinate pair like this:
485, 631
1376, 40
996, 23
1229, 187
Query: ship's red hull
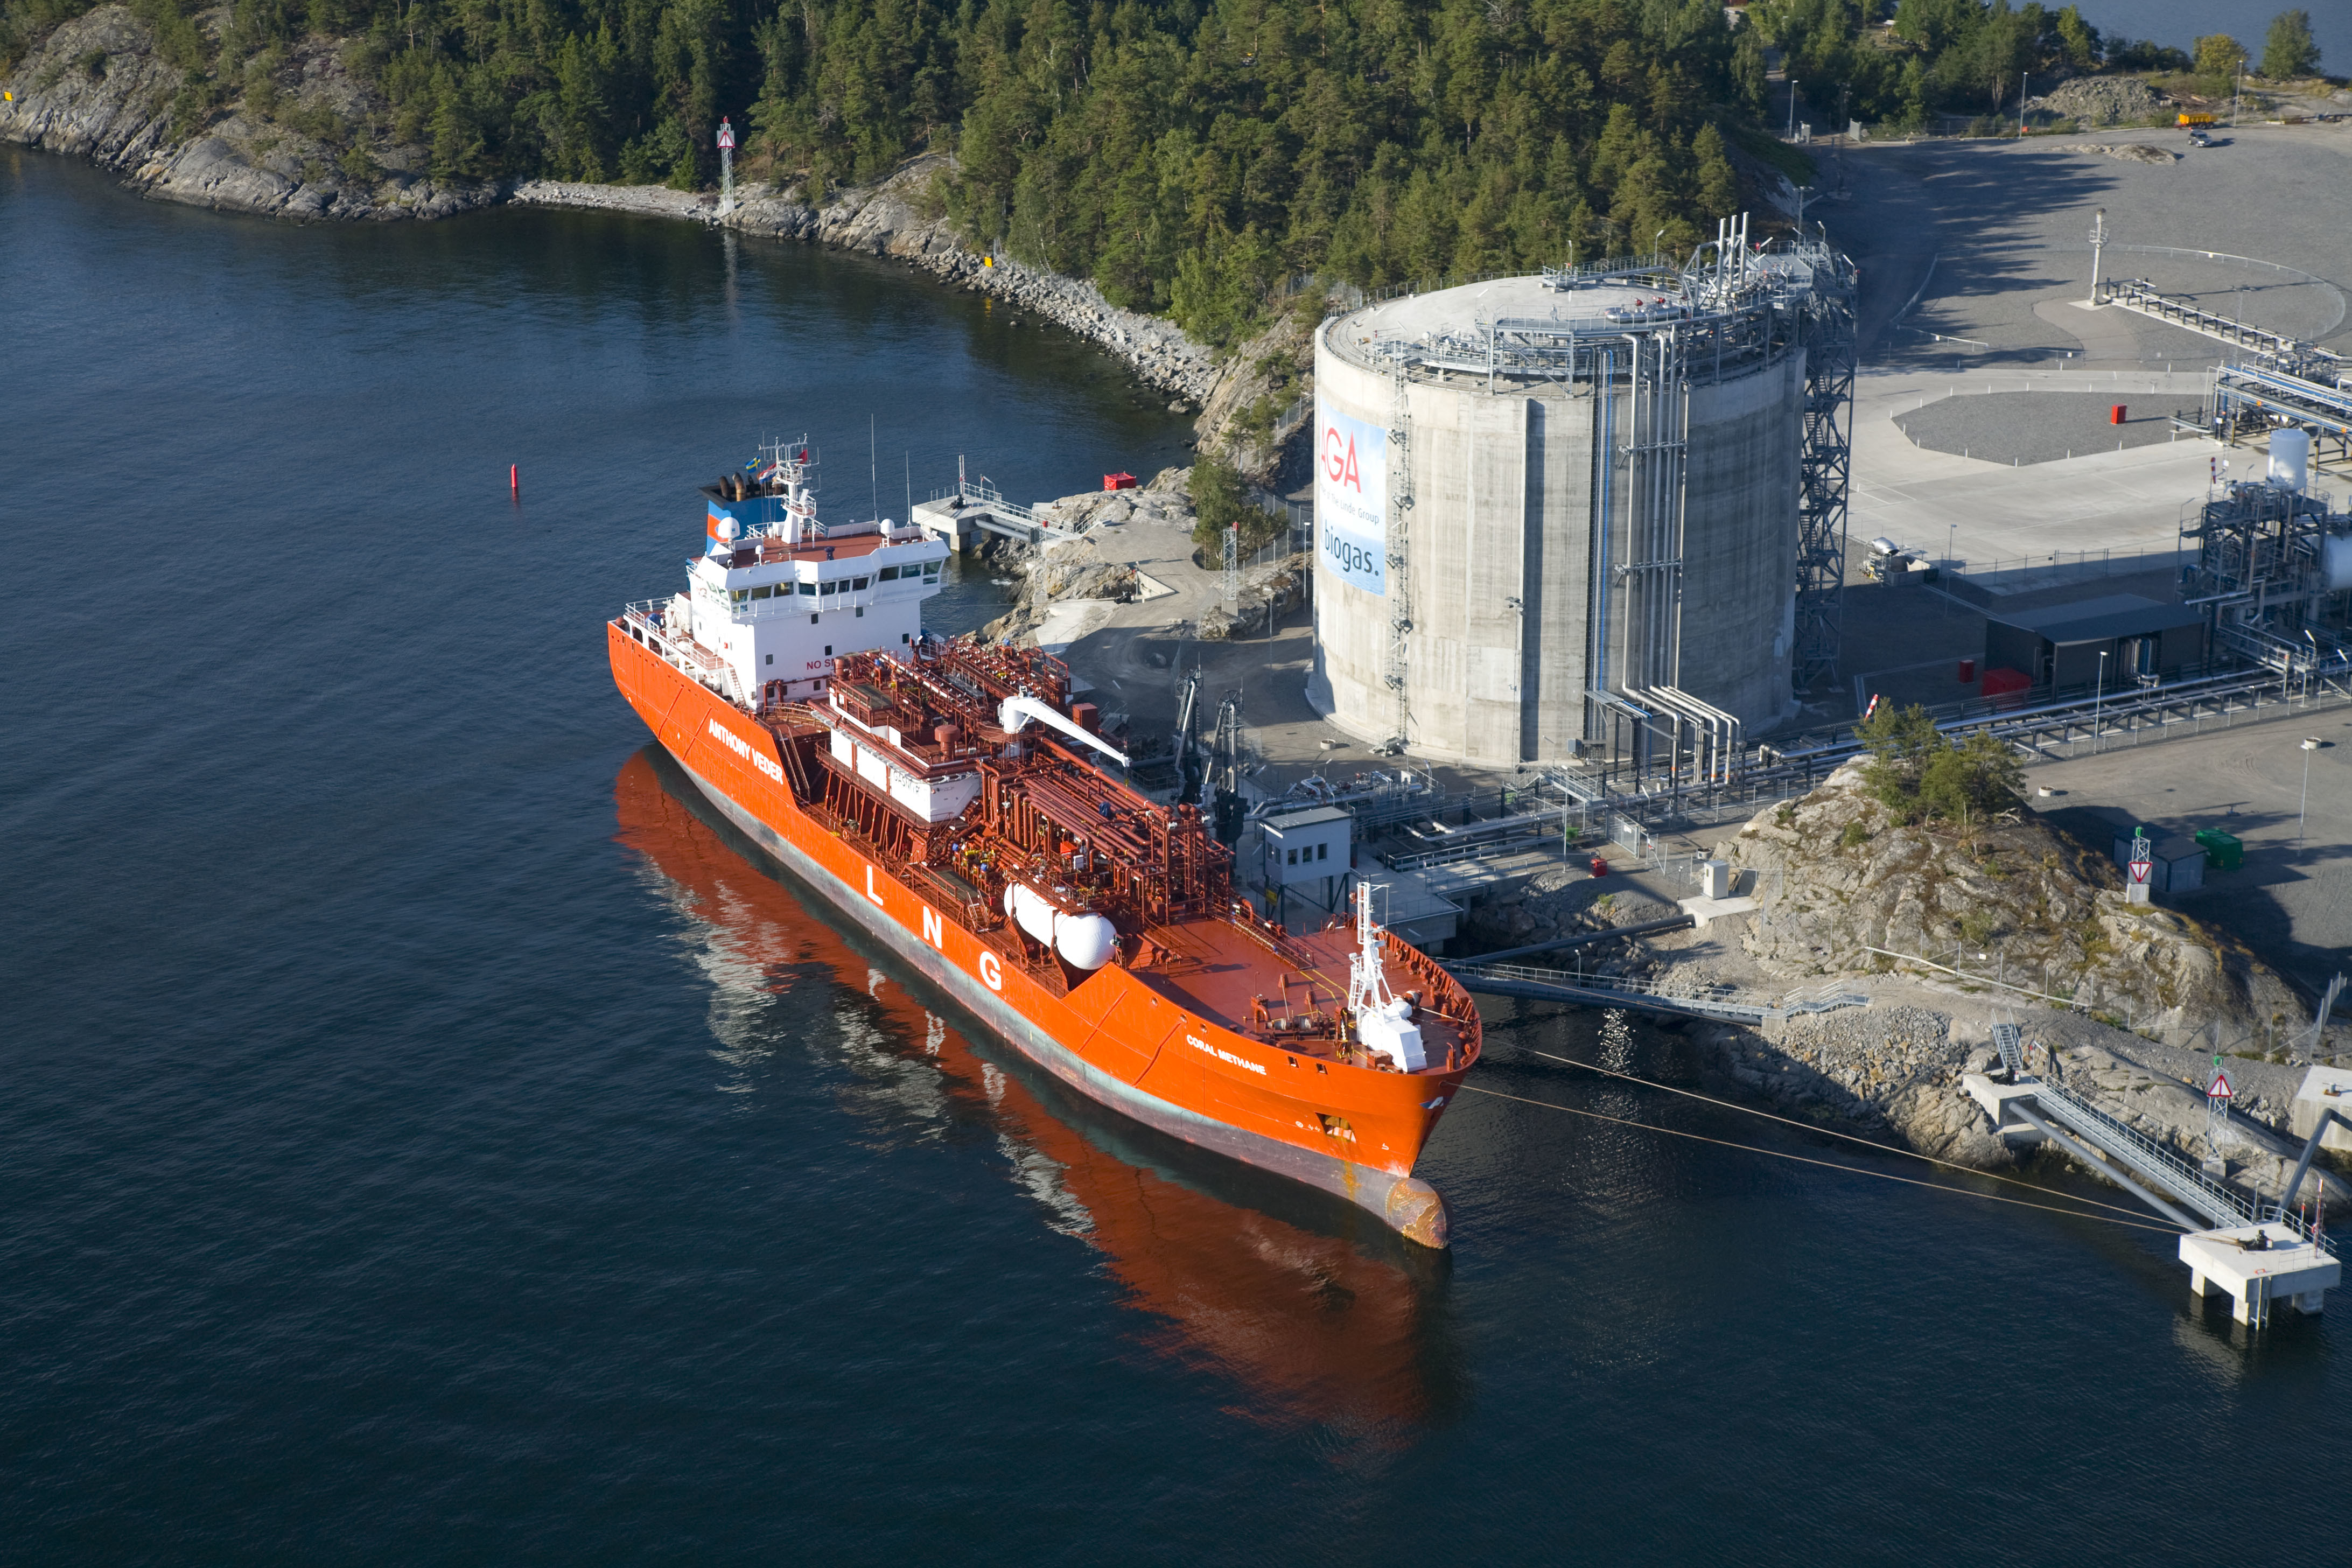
1114, 1036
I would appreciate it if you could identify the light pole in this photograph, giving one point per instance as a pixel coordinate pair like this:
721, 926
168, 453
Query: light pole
2098, 249
2099, 701
2310, 744
1793, 109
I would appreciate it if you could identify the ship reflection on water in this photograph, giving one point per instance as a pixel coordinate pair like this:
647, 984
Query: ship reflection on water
1321, 1318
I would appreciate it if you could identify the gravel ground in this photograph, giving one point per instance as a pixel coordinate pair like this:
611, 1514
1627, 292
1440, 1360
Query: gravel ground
2005, 225
2039, 427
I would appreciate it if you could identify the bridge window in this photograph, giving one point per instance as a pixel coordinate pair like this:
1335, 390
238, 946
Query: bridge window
809, 588
858, 586
762, 592
887, 575
930, 571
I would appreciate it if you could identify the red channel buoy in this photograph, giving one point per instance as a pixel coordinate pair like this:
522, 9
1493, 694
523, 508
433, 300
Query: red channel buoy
514, 479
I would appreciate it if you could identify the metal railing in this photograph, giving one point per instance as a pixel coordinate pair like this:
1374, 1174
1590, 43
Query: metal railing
1491, 848
2143, 1156
2148, 555
686, 656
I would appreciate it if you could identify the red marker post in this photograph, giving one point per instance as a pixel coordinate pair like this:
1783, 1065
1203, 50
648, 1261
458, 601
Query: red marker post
514, 481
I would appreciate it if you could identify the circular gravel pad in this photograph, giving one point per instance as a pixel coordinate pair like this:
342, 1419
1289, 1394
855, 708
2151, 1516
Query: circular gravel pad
2042, 426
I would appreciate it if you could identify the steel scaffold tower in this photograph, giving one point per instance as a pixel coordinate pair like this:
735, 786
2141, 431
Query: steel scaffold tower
1825, 465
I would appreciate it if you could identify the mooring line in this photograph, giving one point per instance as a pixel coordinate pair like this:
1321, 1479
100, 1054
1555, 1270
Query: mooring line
1826, 1131
1827, 1165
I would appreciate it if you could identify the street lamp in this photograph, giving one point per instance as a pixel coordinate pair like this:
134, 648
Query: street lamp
1793, 109
2310, 744
2099, 701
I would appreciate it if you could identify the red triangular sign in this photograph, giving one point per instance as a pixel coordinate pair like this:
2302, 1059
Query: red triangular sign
2220, 1090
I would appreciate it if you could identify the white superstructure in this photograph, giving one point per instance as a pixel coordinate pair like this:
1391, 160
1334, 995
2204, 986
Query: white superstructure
777, 595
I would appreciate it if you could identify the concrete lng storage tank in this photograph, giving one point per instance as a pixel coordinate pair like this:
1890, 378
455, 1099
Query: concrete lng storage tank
1584, 514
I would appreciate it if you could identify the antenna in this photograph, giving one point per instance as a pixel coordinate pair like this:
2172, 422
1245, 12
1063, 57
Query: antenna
873, 468
906, 460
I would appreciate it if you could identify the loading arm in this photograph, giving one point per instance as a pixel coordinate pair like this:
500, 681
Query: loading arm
1014, 715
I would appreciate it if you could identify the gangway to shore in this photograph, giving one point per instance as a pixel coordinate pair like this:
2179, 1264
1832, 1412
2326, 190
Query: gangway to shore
1721, 1003
2260, 1252
975, 507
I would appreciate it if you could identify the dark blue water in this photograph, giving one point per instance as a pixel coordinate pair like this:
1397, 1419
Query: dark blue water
425, 1137
2178, 24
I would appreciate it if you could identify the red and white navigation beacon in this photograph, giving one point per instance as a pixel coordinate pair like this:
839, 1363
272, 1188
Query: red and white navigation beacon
2137, 871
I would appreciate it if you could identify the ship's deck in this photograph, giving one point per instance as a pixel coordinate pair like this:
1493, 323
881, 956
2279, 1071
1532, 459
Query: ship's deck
1284, 990
838, 547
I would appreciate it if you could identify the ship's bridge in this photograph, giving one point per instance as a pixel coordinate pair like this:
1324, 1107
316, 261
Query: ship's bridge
777, 610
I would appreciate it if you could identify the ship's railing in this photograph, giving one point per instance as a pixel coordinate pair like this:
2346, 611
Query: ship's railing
683, 654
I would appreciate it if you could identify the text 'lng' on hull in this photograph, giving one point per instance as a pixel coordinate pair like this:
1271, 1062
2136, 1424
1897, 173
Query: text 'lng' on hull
955, 801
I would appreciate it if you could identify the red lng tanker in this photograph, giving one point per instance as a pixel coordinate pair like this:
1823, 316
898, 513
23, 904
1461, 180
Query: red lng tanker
952, 799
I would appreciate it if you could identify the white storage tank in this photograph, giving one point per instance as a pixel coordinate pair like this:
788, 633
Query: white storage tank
2291, 459
1540, 501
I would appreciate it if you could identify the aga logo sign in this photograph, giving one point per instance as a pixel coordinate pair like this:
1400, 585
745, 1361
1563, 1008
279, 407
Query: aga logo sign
1352, 497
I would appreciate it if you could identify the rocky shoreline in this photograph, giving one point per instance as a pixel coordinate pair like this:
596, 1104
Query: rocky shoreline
1834, 874
898, 219
95, 88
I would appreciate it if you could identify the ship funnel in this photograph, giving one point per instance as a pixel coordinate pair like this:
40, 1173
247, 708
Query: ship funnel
1014, 715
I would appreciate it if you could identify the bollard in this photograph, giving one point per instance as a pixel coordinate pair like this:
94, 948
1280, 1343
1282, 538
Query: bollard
2116, 415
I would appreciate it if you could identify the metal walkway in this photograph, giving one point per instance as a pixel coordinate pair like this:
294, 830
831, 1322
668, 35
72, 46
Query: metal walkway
977, 507
1721, 1003
2161, 1178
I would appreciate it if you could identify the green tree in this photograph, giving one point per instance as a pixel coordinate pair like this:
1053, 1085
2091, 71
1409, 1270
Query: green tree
1915, 770
1221, 504
2077, 39
460, 148
1969, 782
1913, 115
1718, 185
1186, 155
1903, 743
2219, 57
2289, 51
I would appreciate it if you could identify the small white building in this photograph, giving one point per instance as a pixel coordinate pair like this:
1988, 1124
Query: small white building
1307, 846
2324, 1088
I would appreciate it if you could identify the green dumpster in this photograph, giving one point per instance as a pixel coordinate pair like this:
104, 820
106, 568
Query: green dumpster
2221, 849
